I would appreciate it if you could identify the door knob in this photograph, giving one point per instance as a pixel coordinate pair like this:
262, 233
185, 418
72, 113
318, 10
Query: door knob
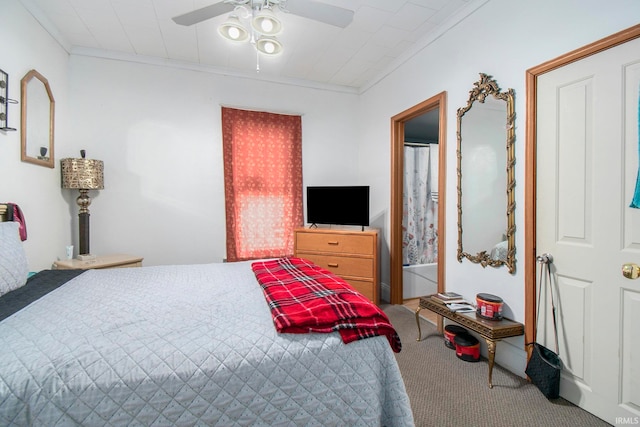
545, 259
631, 270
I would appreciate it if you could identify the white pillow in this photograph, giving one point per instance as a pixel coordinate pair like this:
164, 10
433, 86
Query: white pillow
14, 269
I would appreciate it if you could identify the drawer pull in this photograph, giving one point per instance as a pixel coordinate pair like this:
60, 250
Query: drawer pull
333, 264
335, 243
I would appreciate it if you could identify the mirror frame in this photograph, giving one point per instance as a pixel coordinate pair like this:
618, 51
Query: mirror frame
33, 74
484, 87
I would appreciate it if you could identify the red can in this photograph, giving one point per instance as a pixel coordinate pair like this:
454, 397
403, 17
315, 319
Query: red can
467, 347
450, 332
489, 306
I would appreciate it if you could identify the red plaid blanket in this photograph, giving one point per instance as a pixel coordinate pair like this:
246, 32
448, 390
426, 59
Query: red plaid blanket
306, 298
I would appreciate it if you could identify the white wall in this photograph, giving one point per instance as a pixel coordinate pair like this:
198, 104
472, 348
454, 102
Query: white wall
36, 189
158, 131
503, 38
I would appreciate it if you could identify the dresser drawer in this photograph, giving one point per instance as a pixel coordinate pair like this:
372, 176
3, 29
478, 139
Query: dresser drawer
342, 265
363, 286
352, 255
359, 244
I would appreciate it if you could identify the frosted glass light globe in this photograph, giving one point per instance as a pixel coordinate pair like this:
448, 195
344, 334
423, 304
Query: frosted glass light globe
267, 25
234, 33
269, 47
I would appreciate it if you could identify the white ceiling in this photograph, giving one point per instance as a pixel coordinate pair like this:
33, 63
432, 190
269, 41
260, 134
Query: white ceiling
383, 34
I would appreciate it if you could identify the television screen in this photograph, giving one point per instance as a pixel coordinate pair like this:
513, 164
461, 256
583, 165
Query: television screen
342, 205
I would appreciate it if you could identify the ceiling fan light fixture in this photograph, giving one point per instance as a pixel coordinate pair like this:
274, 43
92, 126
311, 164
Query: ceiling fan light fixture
266, 22
268, 45
232, 29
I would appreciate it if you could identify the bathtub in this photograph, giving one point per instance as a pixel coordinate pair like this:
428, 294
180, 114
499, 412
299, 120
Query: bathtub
419, 280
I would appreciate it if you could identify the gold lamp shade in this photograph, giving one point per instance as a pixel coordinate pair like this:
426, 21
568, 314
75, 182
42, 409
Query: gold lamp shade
86, 174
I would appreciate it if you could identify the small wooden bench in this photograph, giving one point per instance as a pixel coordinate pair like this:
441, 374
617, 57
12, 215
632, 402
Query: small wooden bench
491, 330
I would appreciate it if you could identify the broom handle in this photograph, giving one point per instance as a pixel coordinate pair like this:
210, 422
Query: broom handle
538, 300
553, 310
544, 261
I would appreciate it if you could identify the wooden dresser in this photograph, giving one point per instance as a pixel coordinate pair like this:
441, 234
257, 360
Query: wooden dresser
351, 254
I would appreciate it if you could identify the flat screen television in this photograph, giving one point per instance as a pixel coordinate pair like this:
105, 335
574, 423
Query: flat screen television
339, 205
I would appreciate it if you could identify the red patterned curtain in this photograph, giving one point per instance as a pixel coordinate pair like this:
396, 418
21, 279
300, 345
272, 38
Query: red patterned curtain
262, 182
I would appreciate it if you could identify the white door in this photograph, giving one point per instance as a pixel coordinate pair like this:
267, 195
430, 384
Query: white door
587, 161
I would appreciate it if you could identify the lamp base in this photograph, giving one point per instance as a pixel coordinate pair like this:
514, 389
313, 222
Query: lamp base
86, 257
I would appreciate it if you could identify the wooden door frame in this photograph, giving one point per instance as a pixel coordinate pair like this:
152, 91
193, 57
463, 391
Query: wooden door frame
530, 160
397, 166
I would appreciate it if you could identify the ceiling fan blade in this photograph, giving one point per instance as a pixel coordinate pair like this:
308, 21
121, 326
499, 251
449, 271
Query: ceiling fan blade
332, 15
203, 14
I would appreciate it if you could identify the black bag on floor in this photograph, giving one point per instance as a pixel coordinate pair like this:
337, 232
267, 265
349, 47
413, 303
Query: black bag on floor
544, 370
544, 366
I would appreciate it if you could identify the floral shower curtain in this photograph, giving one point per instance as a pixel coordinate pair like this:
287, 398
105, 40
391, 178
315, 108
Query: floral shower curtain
420, 208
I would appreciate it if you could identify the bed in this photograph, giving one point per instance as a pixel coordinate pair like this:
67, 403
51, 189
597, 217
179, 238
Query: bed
181, 345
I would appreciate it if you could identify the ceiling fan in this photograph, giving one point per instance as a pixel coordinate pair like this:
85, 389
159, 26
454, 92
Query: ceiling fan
328, 14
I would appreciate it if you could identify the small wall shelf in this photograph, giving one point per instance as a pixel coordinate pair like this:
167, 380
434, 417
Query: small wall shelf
5, 101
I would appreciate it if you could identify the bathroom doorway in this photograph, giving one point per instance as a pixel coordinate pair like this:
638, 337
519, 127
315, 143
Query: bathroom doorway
411, 126
420, 206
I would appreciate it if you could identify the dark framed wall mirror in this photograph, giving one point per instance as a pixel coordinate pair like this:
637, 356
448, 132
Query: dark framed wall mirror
486, 181
37, 121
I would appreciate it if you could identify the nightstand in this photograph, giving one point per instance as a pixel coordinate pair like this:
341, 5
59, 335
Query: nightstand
104, 261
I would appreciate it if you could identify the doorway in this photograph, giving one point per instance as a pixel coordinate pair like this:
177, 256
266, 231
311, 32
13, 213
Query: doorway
582, 119
399, 124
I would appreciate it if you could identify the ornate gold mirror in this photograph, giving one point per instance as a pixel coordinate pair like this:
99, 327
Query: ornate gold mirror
486, 181
36, 125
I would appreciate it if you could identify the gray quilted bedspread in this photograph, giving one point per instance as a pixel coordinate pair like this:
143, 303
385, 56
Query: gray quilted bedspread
185, 345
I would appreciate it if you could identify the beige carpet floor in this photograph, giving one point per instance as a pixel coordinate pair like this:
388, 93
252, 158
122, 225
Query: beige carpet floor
446, 391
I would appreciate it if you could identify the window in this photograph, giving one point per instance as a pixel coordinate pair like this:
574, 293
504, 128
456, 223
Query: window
262, 182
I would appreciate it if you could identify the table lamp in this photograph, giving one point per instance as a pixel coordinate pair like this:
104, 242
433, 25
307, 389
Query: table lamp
84, 175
